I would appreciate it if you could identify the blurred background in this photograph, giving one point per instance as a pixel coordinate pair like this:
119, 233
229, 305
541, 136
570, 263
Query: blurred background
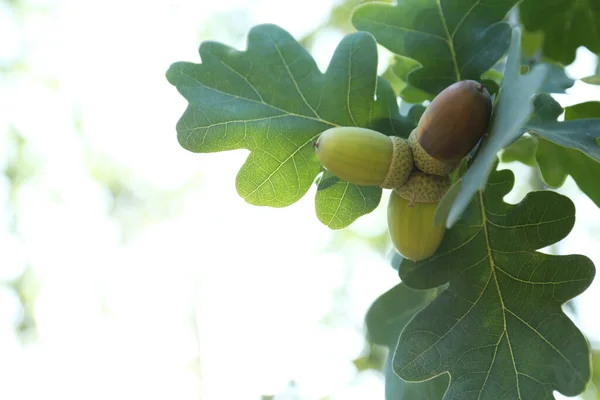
131, 269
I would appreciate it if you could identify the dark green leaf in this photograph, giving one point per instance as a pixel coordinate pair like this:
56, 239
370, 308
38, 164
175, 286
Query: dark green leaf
398, 389
566, 24
452, 40
273, 100
385, 320
557, 80
523, 150
557, 162
580, 134
498, 328
388, 315
512, 110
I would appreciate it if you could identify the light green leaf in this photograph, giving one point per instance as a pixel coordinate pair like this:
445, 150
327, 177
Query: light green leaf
522, 150
499, 329
402, 67
592, 79
385, 320
566, 24
273, 100
512, 110
338, 201
452, 40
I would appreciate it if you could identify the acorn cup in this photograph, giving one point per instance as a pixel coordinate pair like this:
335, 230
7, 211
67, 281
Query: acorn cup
364, 156
410, 216
450, 127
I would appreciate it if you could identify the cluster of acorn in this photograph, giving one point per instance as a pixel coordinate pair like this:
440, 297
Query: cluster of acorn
415, 169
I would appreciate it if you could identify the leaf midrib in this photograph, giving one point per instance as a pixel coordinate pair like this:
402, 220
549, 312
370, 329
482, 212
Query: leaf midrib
506, 310
493, 275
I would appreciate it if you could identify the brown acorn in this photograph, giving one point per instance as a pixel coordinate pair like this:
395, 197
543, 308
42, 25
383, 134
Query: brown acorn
450, 127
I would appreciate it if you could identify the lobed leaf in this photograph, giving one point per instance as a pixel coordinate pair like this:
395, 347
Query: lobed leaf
451, 40
273, 100
566, 25
499, 329
555, 161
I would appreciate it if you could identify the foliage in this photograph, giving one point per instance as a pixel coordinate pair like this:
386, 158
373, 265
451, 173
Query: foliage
565, 24
498, 328
273, 100
481, 318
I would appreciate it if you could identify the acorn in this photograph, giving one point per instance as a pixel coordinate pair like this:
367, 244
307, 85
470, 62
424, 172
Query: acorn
450, 127
411, 211
364, 156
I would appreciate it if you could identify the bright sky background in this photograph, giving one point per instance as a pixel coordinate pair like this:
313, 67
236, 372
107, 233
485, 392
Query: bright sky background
120, 316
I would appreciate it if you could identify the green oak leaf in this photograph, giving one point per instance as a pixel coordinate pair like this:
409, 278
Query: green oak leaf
385, 319
451, 40
566, 24
337, 201
578, 134
273, 100
557, 162
402, 67
557, 80
513, 108
499, 329
522, 150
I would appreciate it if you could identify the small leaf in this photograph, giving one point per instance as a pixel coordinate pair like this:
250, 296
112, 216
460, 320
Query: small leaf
557, 80
523, 150
512, 110
385, 320
499, 328
557, 162
580, 134
339, 202
273, 100
566, 25
402, 68
450, 40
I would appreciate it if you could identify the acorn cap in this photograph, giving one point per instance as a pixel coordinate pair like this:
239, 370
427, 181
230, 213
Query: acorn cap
424, 162
455, 121
401, 165
424, 188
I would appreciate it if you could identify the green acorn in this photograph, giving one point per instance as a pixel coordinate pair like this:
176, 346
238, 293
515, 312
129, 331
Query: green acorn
450, 127
364, 156
411, 211
411, 228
